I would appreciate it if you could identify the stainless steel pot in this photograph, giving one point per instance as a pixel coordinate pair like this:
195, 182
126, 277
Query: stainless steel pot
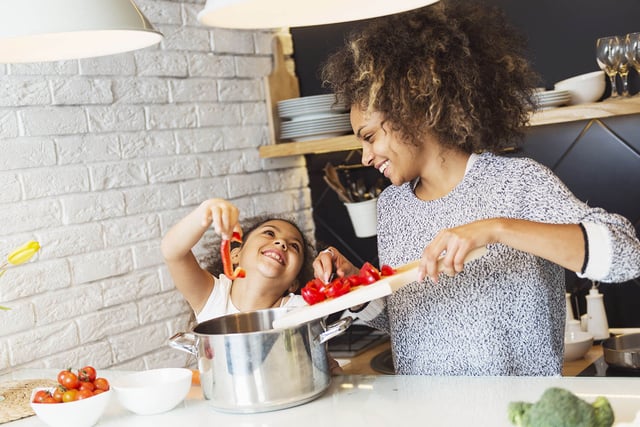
622, 351
246, 366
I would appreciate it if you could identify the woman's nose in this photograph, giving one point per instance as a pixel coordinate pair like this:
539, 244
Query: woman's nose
367, 155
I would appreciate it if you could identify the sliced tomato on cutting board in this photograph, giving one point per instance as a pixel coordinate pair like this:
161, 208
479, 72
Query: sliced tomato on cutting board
387, 285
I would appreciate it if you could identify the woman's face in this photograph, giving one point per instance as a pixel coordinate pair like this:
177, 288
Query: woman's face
276, 250
383, 149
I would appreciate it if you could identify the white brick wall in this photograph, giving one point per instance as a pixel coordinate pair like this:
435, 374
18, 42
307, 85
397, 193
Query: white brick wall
99, 157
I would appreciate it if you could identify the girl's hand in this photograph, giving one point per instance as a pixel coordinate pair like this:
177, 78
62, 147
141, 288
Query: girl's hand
223, 215
330, 260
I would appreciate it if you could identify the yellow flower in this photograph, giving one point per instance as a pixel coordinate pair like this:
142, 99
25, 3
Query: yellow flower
18, 256
23, 253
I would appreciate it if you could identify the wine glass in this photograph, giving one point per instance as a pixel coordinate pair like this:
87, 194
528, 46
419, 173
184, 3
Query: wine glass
609, 54
623, 68
632, 50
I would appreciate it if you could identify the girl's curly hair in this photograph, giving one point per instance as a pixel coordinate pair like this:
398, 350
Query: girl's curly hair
212, 261
455, 69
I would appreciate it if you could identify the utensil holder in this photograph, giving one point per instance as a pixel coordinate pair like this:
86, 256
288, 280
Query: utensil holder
364, 217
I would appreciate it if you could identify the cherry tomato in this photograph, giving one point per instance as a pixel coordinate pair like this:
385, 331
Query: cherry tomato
68, 379
40, 396
369, 273
337, 287
86, 385
70, 395
313, 292
84, 394
101, 384
49, 399
58, 392
387, 270
88, 373
355, 280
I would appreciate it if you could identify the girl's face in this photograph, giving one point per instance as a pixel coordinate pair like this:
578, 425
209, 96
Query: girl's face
276, 250
383, 149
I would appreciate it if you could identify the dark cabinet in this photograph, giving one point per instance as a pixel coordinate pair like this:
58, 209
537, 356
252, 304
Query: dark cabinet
599, 160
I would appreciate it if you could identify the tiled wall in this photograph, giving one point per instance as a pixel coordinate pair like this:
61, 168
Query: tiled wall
98, 157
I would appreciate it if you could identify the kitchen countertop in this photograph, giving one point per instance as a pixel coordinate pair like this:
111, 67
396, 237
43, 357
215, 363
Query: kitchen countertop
382, 400
361, 364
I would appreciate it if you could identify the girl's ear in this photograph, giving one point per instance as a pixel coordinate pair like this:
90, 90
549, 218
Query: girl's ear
235, 255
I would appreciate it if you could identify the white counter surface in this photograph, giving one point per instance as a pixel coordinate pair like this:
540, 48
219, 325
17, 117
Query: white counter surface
382, 400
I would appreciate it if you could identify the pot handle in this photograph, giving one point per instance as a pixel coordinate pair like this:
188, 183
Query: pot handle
333, 330
184, 342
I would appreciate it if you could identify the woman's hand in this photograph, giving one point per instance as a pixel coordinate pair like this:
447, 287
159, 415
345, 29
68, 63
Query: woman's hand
448, 250
330, 260
223, 215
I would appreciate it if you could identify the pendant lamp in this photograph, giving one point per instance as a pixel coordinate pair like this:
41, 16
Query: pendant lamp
51, 30
255, 14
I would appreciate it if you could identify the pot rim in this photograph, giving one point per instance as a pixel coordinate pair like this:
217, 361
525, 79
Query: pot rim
272, 330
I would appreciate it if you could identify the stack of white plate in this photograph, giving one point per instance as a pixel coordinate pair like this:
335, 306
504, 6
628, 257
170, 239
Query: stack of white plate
552, 98
312, 117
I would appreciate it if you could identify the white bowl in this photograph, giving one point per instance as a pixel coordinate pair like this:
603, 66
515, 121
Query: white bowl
153, 391
576, 344
583, 88
79, 413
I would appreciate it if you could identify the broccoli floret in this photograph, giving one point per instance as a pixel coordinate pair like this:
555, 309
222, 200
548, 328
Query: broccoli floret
558, 407
517, 411
603, 412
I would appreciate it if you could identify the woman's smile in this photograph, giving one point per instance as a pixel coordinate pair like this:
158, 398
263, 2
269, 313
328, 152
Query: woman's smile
383, 166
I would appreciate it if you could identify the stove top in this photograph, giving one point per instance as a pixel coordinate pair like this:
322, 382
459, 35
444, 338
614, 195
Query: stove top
600, 368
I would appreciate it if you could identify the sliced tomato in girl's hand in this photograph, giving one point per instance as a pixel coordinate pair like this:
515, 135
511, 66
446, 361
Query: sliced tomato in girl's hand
225, 253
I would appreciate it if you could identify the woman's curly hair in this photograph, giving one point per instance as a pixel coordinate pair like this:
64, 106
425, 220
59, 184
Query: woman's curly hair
456, 70
212, 261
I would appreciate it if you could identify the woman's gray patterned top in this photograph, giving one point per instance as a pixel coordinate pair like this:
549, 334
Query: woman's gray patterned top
504, 314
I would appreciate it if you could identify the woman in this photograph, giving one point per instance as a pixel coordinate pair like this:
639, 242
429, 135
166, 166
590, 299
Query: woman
436, 95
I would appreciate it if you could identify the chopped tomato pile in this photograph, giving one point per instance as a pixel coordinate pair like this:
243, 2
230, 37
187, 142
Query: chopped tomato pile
316, 290
73, 386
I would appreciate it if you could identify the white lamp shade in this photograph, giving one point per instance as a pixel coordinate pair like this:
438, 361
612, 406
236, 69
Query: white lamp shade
50, 30
254, 14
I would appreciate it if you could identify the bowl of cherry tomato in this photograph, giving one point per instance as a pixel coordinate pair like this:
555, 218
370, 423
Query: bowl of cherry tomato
78, 400
153, 391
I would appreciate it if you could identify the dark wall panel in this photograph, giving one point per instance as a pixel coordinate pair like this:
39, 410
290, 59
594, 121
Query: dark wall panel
561, 36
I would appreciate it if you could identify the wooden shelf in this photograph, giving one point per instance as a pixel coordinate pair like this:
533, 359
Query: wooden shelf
596, 110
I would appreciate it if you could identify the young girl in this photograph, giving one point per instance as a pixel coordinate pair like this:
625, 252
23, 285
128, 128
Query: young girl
275, 255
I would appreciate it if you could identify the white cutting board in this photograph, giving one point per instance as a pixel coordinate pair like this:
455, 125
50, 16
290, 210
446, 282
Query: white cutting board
405, 274
383, 287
